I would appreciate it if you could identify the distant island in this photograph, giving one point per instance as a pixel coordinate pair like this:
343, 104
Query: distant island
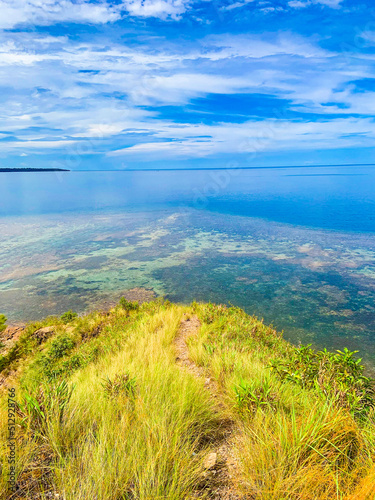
34, 170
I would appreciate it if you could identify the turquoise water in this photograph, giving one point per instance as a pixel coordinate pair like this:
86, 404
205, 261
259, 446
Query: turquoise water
295, 246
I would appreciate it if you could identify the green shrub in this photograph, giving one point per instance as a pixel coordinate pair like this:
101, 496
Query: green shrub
73, 363
68, 316
336, 376
60, 346
129, 305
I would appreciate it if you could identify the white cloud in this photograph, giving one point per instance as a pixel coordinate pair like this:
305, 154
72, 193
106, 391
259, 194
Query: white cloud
182, 148
10, 55
255, 46
103, 129
53, 103
40, 145
300, 4
181, 87
162, 9
329, 3
235, 5
45, 12
251, 137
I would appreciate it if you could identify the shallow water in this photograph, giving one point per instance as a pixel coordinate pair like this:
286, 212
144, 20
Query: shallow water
294, 248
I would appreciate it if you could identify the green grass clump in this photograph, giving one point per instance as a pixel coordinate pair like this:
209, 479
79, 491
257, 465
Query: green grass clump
38, 411
121, 384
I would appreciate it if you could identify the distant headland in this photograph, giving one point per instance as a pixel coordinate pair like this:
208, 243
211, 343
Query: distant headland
34, 170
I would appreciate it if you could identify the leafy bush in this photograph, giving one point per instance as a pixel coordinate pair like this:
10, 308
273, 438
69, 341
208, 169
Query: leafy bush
73, 363
129, 305
338, 376
60, 346
68, 316
3, 320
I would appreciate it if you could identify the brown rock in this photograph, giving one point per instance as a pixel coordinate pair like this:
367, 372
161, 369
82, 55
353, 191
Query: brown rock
44, 333
210, 461
12, 333
9, 337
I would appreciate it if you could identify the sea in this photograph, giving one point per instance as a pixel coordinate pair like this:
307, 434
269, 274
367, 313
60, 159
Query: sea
292, 245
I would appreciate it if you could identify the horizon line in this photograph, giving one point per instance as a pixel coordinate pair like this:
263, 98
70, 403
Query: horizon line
226, 168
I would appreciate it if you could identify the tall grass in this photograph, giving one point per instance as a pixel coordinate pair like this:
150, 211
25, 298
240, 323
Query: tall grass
105, 413
145, 443
295, 441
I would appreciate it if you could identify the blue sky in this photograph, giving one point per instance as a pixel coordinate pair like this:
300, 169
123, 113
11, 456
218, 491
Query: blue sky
184, 83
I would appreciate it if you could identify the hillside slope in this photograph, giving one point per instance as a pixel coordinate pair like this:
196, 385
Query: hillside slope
163, 401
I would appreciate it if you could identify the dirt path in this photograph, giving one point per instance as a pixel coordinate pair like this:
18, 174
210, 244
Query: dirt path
220, 465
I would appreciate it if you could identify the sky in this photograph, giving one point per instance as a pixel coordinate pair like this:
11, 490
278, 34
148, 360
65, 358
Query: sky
88, 85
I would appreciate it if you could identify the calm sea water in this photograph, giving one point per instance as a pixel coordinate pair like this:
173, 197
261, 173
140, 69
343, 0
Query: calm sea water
295, 246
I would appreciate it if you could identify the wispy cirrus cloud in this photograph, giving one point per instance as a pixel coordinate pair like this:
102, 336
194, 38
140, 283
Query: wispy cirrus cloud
236, 5
252, 137
301, 4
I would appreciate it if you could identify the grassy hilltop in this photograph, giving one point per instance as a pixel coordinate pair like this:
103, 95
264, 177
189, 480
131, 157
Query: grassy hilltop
163, 401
